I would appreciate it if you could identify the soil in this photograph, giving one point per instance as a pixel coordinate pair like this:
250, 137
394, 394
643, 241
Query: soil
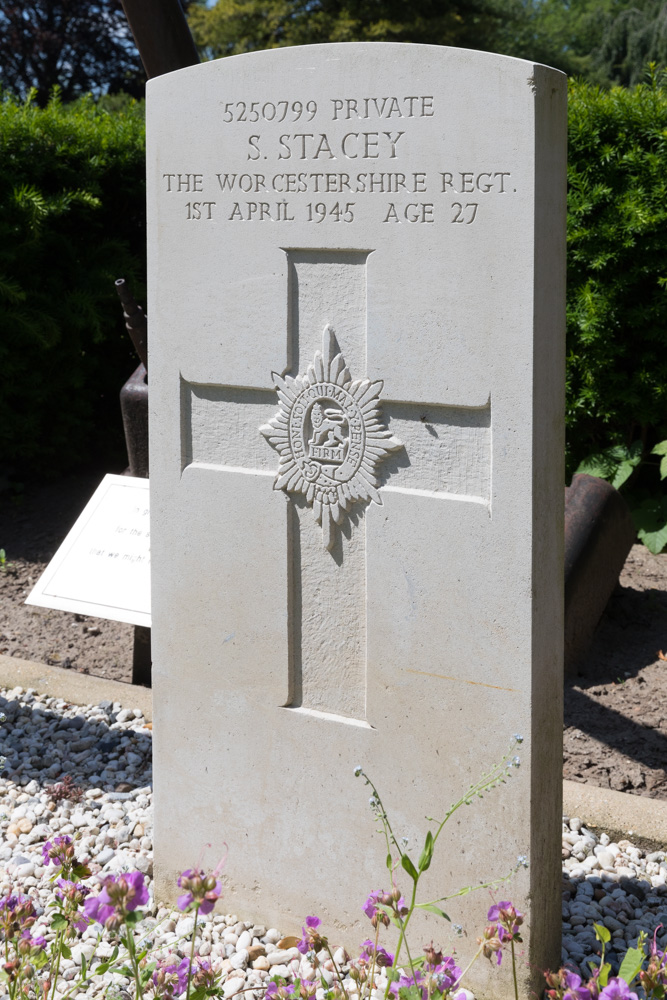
615, 732
32, 526
615, 727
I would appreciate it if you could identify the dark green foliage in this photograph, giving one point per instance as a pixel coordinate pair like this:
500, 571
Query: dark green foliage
233, 26
71, 221
617, 289
617, 268
630, 40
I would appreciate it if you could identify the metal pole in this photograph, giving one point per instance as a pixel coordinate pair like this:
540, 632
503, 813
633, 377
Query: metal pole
161, 34
165, 44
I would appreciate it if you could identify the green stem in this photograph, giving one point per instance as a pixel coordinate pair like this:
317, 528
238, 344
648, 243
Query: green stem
132, 952
337, 971
468, 967
192, 952
57, 947
371, 978
516, 987
402, 938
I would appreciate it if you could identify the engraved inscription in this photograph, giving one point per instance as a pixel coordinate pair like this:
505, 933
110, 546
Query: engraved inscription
330, 437
273, 173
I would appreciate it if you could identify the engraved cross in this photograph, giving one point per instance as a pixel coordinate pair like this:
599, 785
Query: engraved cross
337, 452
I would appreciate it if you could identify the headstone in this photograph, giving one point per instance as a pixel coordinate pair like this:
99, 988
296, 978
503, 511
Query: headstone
356, 259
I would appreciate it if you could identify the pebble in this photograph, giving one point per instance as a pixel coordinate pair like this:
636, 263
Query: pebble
615, 884
107, 750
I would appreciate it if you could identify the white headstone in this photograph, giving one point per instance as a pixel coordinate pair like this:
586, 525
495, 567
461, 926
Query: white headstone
356, 259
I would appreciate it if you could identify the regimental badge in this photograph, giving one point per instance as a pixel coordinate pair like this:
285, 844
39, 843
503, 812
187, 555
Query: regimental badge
330, 436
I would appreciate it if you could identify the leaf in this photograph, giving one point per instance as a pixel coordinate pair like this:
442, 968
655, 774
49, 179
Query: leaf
58, 922
288, 942
123, 970
432, 908
102, 968
601, 933
622, 474
616, 464
650, 520
147, 972
389, 862
631, 964
65, 950
83, 966
604, 974
427, 853
409, 867
661, 449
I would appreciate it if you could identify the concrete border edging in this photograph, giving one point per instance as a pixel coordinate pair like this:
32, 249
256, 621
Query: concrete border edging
80, 689
616, 811
601, 807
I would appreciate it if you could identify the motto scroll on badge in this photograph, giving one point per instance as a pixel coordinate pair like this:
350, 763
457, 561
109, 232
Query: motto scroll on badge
330, 436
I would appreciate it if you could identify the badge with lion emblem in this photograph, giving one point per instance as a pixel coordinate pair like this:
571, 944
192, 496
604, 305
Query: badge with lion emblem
330, 436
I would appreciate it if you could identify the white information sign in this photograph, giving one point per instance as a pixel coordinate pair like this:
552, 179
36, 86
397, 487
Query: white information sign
103, 566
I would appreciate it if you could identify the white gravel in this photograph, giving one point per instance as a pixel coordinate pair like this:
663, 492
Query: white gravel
107, 750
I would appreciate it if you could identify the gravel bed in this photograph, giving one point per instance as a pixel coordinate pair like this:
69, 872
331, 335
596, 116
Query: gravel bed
106, 751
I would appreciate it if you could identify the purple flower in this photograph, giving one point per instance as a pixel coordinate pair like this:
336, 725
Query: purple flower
282, 991
573, 988
59, 851
170, 978
441, 978
446, 974
310, 937
392, 900
72, 894
617, 989
17, 914
202, 890
417, 980
99, 908
75, 891
508, 921
369, 907
28, 945
383, 959
120, 895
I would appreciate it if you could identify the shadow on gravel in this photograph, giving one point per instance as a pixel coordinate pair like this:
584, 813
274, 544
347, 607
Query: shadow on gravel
641, 908
42, 745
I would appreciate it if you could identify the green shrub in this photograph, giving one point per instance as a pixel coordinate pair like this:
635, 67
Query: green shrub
617, 294
617, 268
72, 220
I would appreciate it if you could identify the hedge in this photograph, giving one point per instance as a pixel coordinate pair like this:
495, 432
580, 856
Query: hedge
72, 219
617, 294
